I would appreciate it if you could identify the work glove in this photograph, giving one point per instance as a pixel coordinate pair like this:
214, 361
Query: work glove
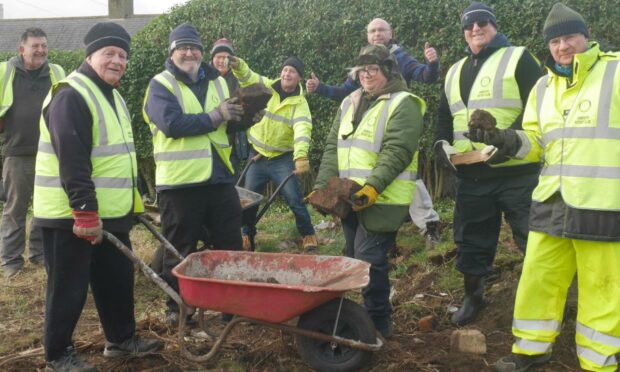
232, 62
87, 225
302, 165
479, 122
308, 197
365, 198
229, 110
443, 150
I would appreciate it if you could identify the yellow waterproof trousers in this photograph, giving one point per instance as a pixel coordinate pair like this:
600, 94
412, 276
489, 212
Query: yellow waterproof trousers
549, 267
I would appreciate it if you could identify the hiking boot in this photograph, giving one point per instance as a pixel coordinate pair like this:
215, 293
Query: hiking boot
473, 301
310, 244
69, 362
432, 236
247, 243
520, 362
134, 346
383, 325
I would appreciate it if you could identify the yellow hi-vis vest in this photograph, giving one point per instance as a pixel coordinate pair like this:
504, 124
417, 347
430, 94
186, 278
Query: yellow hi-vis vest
7, 72
358, 152
113, 158
581, 149
188, 160
495, 90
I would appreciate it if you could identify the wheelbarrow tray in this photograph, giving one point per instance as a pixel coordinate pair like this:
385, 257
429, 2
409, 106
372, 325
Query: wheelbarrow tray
248, 198
272, 287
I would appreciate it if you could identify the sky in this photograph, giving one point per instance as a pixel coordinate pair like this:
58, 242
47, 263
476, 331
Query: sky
77, 8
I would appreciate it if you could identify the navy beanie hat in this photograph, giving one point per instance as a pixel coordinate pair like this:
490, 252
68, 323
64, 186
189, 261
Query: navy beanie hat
477, 12
184, 34
105, 34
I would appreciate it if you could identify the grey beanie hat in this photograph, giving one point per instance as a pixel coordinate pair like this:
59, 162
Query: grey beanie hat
563, 20
184, 34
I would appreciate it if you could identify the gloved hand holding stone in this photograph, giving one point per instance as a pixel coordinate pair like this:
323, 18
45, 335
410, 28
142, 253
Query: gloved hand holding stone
302, 165
364, 198
480, 122
258, 116
87, 225
443, 151
232, 62
229, 110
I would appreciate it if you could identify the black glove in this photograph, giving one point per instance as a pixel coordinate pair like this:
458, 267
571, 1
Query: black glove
506, 141
443, 151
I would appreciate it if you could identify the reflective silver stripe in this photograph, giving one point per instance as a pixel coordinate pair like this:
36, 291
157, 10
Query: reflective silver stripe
382, 124
356, 142
581, 171
459, 135
301, 119
498, 83
267, 147
345, 107
246, 77
365, 173
534, 346
103, 132
494, 103
537, 325
592, 133
123, 104
526, 145
278, 118
407, 176
302, 139
458, 105
100, 182
261, 80
219, 89
56, 71
597, 336
182, 155
98, 151
604, 106
176, 88
596, 357
541, 88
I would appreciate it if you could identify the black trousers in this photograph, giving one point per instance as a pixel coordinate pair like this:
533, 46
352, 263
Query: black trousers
480, 204
184, 214
72, 264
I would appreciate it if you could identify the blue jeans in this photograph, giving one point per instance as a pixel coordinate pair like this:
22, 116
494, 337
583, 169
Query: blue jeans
276, 170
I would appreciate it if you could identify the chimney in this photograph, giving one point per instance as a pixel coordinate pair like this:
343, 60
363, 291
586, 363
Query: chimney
1, 11
120, 8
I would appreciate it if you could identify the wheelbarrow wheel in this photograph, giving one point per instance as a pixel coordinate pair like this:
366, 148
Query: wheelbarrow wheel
353, 323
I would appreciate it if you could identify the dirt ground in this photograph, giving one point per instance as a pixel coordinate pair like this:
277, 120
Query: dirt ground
253, 348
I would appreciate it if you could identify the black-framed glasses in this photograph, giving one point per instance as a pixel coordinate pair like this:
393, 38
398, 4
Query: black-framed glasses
480, 24
370, 71
188, 48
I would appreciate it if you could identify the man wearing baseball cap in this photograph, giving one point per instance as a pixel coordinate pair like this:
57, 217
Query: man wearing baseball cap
86, 177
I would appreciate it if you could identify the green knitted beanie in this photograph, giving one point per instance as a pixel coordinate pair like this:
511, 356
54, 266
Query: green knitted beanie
561, 21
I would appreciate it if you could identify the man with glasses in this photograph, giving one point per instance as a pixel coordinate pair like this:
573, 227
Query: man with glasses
188, 111
497, 78
379, 32
374, 142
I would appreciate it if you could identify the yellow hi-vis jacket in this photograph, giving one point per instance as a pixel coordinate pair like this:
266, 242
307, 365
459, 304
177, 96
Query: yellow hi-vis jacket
7, 72
286, 126
574, 128
188, 160
113, 158
495, 90
358, 150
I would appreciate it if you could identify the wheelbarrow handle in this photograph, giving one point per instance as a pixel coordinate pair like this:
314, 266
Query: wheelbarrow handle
251, 161
273, 196
159, 237
144, 267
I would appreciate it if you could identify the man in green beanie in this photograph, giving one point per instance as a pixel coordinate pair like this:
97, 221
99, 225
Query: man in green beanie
570, 121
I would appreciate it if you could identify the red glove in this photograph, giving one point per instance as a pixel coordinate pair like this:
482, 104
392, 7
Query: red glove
87, 225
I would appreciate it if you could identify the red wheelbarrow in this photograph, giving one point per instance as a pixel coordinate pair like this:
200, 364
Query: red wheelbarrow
272, 290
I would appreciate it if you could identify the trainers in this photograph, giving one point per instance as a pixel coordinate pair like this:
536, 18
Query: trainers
134, 346
69, 362
431, 236
247, 242
310, 244
172, 318
520, 362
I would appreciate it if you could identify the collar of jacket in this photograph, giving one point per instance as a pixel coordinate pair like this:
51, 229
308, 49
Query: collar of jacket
582, 63
18, 62
294, 98
210, 73
87, 70
499, 41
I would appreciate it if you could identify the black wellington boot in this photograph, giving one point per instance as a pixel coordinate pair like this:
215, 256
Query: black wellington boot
473, 301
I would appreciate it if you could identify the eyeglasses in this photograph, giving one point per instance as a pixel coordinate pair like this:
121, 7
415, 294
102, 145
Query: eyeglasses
187, 48
481, 24
370, 71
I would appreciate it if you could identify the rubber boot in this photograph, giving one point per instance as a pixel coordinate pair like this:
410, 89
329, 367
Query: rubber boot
473, 301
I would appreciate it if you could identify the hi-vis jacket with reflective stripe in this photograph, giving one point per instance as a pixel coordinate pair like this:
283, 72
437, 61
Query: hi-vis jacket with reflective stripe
286, 126
113, 158
188, 160
495, 90
7, 72
574, 126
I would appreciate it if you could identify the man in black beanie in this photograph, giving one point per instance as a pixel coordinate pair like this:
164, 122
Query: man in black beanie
497, 78
571, 120
86, 182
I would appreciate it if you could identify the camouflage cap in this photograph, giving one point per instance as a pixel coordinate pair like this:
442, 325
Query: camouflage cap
373, 55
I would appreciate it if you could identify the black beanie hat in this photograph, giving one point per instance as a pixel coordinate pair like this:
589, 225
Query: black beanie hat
296, 63
477, 12
563, 20
184, 34
105, 34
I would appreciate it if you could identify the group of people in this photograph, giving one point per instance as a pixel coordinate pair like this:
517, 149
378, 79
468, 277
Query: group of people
553, 162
